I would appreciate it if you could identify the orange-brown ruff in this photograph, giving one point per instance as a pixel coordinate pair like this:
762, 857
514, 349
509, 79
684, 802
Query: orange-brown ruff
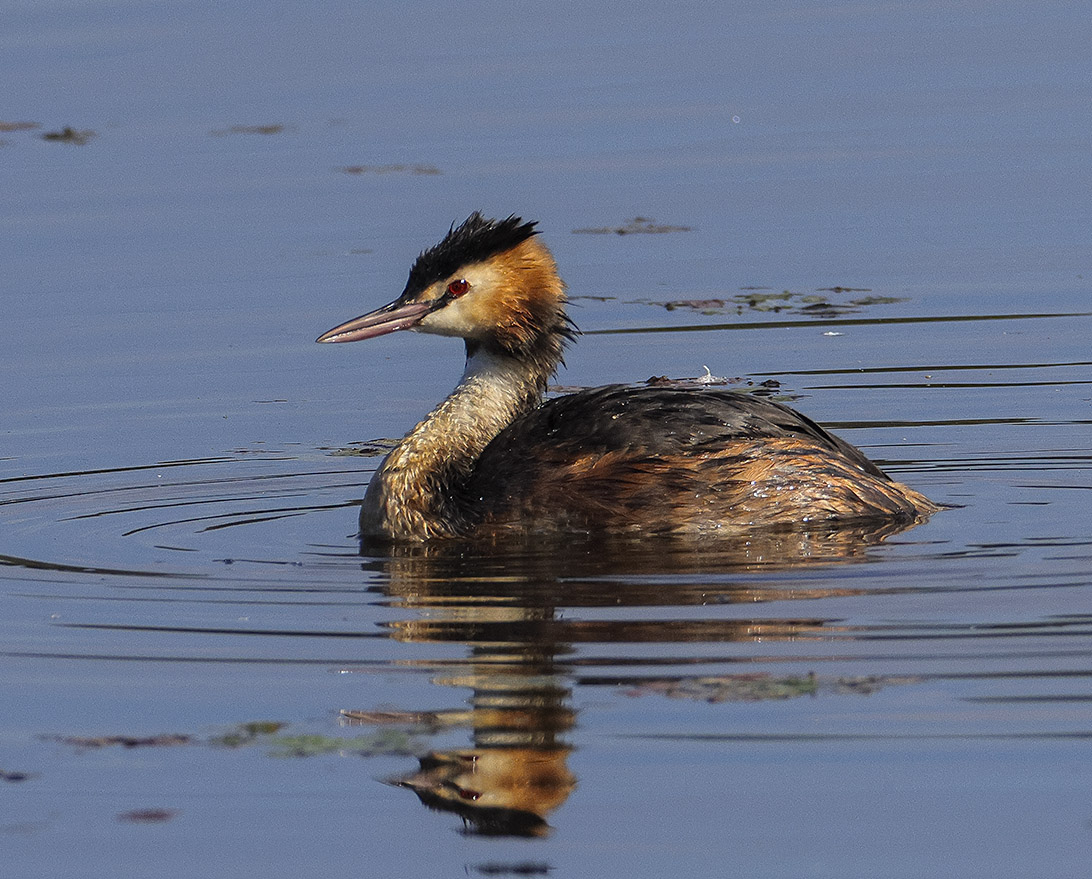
494, 458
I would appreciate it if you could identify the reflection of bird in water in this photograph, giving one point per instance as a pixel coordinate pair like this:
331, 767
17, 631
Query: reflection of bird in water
500, 792
524, 653
494, 459
516, 771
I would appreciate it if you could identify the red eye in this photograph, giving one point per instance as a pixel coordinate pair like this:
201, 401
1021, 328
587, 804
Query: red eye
457, 288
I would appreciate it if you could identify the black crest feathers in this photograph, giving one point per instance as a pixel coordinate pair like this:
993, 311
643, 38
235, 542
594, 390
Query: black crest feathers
476, 240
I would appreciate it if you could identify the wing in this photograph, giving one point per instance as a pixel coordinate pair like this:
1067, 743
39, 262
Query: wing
671, 460
657, 423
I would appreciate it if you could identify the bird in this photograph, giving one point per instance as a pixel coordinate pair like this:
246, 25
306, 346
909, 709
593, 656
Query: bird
497, 457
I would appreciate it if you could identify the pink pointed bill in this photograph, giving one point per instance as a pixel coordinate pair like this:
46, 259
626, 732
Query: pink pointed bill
388, 319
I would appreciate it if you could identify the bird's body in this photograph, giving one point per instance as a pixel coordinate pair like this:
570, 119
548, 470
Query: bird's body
493, 458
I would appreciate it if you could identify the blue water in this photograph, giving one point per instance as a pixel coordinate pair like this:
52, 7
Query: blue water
177, 520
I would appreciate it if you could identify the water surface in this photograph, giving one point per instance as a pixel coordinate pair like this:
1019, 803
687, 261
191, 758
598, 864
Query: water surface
880, 215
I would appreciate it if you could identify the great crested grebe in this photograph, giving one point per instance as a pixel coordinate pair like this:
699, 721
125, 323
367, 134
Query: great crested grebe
493, 458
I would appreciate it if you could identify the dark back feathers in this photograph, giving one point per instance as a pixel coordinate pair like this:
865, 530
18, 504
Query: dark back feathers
659, 422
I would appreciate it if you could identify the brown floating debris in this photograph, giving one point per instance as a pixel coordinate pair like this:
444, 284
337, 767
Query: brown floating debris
126, 741
755, 299
69, 135
418, 170
765, 687
392, 717
250, 129
636, 226
247, 733
522, 868
147, 816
